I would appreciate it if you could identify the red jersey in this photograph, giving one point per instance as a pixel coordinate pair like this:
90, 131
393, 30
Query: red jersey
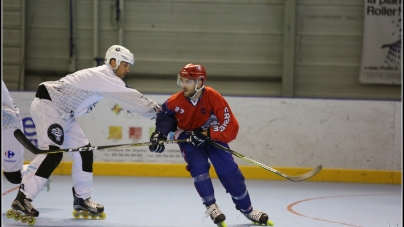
210, 111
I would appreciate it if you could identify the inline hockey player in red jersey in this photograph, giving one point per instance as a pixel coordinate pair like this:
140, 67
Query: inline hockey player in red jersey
200, 114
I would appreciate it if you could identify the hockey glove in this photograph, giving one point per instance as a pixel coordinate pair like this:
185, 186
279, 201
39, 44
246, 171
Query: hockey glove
199, 137
157, 139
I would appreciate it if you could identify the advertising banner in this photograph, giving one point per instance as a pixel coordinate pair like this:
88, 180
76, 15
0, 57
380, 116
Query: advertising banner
351, 134
381, 53
108, 124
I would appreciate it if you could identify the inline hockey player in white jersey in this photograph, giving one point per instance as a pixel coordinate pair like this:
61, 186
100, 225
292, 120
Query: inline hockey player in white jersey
13, 158
54, 110
12, 150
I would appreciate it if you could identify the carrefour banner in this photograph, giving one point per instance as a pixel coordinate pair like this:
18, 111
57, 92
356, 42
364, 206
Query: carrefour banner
381, 54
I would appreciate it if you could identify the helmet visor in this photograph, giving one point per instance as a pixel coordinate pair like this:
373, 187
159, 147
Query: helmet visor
184, 81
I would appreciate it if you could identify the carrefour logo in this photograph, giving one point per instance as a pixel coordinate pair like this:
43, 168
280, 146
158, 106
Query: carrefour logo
9, 154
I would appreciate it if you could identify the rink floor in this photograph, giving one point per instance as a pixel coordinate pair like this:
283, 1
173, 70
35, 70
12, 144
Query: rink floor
172, 202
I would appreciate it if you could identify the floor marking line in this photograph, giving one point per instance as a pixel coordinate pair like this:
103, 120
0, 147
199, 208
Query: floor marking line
6, 192
290, 207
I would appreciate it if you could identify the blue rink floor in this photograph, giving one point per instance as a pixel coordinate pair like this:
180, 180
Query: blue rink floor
146, 201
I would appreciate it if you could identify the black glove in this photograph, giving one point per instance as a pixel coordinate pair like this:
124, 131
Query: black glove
157, 139
199, 137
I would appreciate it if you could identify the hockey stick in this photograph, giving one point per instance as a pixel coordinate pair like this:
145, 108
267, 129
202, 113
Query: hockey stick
291, 178
19, 135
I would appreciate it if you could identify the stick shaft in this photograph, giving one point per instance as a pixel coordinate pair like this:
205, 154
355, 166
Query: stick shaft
270, 169
19, 135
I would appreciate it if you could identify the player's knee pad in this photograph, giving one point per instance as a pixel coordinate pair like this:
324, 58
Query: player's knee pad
204, 186
198, 168
87, 160
233, 182
13, 177
49, 164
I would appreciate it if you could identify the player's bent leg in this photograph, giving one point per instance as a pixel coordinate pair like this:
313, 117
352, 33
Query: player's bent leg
23, 204
13, 177
230, 176
38, 173
198, 166
48, 184
13, 151
204, 187
83, 179
24, 169
234, 183
82, 173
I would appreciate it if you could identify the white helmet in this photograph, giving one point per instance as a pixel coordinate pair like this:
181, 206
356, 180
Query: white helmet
119, 53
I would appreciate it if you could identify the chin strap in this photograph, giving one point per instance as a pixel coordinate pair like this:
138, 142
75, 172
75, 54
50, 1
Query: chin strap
197, 90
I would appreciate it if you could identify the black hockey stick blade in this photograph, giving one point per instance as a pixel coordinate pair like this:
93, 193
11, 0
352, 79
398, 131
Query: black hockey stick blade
291, 178
19, 135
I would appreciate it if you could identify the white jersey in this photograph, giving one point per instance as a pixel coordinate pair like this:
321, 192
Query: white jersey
11, 114
12, 150
78, 93
6, 99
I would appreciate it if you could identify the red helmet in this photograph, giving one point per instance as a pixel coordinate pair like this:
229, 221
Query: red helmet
194, 72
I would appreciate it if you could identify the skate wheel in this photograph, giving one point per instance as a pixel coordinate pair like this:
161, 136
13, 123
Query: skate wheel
85, 214
76, 214
17, 216
222, 224
24, 219
102, 216
270, 223
31, 220
10, 213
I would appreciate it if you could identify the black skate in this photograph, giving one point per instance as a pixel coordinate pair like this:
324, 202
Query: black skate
258, 217
216, 215
22, 209
87, 208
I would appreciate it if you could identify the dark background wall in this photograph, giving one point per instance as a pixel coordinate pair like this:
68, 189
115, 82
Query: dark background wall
277, 48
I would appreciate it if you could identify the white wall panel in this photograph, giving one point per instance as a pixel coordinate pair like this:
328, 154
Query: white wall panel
398, 135
346, 134
308, 132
